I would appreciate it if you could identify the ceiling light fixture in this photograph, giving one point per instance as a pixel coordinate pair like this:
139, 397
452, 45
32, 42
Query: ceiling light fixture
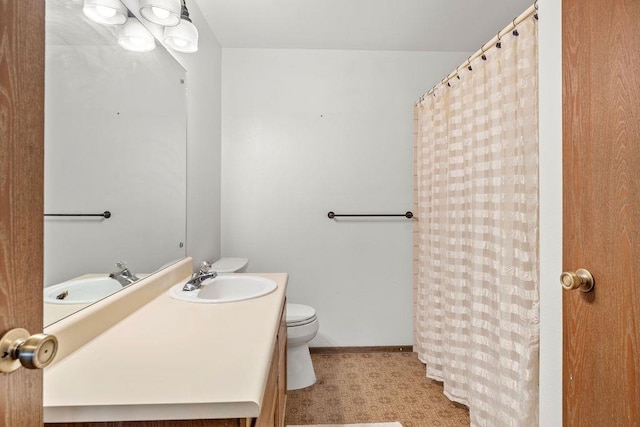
106, 12
161, 12
133, 36
184, 36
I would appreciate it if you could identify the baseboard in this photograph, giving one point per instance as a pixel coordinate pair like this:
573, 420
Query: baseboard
369, 349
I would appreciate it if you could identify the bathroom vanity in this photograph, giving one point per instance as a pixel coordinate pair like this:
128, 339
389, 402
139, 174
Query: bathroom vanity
159, 361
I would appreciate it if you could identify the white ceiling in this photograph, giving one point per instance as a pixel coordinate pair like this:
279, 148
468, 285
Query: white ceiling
423, 25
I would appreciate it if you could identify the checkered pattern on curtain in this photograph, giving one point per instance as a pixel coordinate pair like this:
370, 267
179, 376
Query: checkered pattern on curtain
476, 248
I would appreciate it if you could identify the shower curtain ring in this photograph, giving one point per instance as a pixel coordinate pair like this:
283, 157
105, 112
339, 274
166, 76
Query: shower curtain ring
499, 42
515, 30
469, 63
483, 56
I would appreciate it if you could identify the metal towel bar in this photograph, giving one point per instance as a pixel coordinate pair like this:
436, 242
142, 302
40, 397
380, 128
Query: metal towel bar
105, 214
332, 215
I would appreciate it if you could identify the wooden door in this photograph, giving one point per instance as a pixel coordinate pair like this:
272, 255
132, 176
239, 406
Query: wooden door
601, 220
21, 196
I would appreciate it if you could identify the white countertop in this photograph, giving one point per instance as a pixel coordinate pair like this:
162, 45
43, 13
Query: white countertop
171, 359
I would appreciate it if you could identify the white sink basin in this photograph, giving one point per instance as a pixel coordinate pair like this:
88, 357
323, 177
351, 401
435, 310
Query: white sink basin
227, 288
81, 291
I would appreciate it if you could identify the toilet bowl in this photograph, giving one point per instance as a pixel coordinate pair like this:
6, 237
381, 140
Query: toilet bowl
302, 327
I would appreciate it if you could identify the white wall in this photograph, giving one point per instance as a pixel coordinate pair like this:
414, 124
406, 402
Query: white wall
550, 72
311, 131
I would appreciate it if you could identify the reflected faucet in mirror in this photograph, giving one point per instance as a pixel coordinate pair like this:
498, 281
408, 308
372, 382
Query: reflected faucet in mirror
123, 275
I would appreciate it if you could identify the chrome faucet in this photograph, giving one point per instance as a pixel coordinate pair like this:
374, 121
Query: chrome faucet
203, 274
123, 275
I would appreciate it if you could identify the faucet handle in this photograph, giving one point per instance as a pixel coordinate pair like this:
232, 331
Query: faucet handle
121, 265
205, 267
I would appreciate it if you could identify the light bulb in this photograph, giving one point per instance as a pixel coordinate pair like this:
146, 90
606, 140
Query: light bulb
160, 13
180, 42
135, 37
183, 37
136, 41
107, 12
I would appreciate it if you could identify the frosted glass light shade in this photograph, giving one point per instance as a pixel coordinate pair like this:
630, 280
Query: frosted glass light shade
106, 12
183, 37
135, 37
161, 12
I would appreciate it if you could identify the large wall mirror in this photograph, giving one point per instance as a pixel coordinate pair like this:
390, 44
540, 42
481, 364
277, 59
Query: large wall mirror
115, 140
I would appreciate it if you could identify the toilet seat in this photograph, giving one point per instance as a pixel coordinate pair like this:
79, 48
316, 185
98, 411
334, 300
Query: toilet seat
299, 315
301, 323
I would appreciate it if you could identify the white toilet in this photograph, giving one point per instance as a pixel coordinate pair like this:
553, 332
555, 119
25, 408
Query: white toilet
302, 327
230, 265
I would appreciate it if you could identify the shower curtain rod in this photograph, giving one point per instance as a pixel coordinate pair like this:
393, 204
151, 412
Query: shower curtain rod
532, 10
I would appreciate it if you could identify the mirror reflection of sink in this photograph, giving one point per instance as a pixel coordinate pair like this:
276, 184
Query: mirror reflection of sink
227, 288
81, 291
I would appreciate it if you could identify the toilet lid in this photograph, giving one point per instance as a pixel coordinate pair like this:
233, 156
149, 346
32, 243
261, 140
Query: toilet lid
299, 314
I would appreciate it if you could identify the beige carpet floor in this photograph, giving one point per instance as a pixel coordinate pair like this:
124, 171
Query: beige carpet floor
353, 425
373, 387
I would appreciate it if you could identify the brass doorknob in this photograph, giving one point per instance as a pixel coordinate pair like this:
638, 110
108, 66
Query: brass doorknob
580, 279
18, 347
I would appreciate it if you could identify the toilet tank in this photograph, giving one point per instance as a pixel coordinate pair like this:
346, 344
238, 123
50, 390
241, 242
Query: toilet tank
230, 265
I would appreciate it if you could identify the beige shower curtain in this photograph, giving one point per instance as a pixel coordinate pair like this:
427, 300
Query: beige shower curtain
476, 235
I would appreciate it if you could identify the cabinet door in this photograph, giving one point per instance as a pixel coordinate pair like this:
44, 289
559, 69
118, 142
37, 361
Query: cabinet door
274, 400
281, 408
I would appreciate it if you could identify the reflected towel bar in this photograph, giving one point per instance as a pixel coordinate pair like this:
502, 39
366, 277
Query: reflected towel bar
105, 214
406, 215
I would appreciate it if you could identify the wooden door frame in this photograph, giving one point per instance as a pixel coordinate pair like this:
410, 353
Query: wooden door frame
22, 44
550, 158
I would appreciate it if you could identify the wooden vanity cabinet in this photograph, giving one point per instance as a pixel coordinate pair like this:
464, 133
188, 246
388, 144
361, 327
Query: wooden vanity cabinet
274, 401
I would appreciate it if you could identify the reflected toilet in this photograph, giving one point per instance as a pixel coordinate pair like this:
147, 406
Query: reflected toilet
230, 265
